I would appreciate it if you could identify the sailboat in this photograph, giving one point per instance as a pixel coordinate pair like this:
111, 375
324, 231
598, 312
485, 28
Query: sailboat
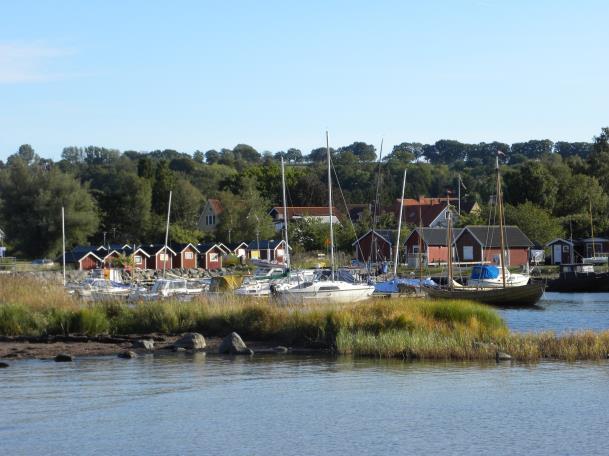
397, 285
332, 289
504, 295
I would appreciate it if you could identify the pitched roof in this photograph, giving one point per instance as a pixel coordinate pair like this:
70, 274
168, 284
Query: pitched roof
387, 235
265, 244
232, 246
153, 249
428, 213
205, 247
180, 247
79, 252
435, 236
215, 205
303, 211
488, 236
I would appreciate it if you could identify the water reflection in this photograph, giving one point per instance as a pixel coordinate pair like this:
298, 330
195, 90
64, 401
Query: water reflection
187, 404
561, 312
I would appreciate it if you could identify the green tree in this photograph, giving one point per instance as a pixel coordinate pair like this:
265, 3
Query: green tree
31, 209
537, 223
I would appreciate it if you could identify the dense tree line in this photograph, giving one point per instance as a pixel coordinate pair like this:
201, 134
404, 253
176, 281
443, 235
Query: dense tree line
549, 189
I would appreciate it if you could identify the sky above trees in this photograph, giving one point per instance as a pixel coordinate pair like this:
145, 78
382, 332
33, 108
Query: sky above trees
208, 75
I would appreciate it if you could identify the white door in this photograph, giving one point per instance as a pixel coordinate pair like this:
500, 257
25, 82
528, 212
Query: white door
557, 253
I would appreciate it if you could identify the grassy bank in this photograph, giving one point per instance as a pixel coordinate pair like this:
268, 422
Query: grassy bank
404, 328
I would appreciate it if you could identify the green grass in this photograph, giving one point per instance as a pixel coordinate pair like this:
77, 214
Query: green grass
403, 328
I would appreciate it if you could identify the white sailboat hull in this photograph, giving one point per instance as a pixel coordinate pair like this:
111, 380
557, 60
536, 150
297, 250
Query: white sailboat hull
327, 291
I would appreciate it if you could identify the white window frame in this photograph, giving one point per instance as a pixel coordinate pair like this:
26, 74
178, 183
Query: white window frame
138, 259
164, 257
188, 255
468, 253
213, 257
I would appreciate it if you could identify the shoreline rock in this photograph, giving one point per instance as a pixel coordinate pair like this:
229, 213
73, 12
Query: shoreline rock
234, 345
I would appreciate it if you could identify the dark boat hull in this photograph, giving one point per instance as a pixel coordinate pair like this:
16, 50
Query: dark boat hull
526, 295
580, 283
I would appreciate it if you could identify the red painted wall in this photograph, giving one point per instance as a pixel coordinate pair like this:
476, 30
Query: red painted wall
515, 256
381, 246
211, 264
185, 263
88, 263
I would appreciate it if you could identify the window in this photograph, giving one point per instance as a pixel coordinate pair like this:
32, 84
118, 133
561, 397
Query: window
468, 252
210, 220
565, 248
213, 257
163, 257
188, 255
138, 259
280, 252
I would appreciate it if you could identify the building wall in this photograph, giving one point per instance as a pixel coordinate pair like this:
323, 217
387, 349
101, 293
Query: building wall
367, 243
158, 263
514, 256
88, 263
213, 259
186, 263
109, 261
466, 239
204, 224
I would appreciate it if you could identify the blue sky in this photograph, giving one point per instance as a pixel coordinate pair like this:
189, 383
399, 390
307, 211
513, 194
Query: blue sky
195, 75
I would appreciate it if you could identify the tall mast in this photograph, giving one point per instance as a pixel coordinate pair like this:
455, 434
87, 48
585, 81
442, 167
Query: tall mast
330, 207
500, 207
592, 230
449, 235
63, 242
166, 234
397, 242
420, 245
459, 193
285, 216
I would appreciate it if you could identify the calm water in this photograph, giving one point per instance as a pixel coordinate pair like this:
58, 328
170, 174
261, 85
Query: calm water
274, 405
562, 312
193, 404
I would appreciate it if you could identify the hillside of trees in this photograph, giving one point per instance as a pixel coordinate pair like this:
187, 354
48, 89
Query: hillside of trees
549, 188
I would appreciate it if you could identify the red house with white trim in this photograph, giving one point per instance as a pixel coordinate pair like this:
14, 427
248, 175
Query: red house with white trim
186, 256
210, 256
84, 258
158, 258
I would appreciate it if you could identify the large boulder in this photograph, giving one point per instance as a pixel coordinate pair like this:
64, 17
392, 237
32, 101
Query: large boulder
147, 344
234, 345
64, 358
130, 354
190, 341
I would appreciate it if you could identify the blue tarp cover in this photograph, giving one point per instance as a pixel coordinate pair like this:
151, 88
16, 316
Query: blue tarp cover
485, 272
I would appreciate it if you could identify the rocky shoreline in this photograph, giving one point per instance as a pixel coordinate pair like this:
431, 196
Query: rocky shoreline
132, 345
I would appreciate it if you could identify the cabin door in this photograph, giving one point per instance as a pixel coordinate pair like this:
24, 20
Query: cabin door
557, 253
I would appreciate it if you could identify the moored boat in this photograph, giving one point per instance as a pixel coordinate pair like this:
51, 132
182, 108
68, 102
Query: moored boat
579, 278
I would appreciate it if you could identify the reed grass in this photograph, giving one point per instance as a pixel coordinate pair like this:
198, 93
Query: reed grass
404, 328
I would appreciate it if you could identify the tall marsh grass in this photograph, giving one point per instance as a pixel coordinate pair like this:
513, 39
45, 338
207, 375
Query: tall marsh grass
404, 328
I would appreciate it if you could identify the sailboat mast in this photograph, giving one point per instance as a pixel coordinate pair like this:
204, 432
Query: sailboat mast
592, 230
397, 242
63, 242
166, 234
285, 216
449, 235
500, 207
330, 207
420, 245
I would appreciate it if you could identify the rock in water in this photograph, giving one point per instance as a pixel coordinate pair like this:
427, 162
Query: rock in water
127, 354
3, 364
280, 349
501, 356
64, 358
147, 344
234, 345
191, 341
